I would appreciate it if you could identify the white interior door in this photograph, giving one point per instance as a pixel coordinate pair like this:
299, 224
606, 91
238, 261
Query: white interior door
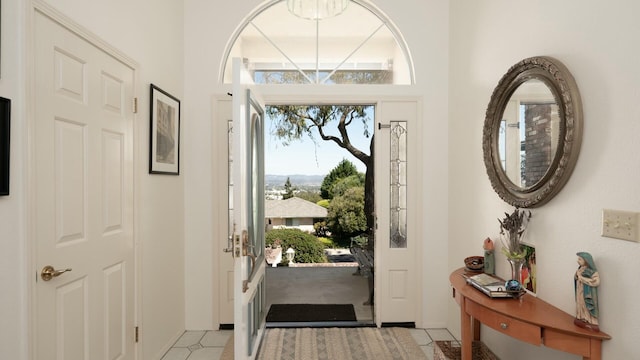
83, 198
248, 214
398, 234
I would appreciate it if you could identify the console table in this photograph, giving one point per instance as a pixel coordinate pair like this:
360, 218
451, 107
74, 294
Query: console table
528, 318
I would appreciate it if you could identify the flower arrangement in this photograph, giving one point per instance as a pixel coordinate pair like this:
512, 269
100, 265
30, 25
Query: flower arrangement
512, 227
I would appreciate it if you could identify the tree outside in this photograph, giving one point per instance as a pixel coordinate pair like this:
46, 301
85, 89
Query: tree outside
343, 170
310, 196
342, 185
288, 190
294, 122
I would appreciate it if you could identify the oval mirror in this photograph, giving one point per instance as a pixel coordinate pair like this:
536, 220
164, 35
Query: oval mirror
532, 132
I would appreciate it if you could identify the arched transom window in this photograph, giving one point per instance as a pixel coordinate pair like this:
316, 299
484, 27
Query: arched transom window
358, 46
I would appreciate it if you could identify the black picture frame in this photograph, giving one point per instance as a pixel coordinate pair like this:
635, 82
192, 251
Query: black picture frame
164, 133
0, 38
5, 136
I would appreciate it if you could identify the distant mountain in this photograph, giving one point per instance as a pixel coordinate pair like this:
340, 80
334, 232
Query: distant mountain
296, 180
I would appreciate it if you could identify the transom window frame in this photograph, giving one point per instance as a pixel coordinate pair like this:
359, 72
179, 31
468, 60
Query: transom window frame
329, 69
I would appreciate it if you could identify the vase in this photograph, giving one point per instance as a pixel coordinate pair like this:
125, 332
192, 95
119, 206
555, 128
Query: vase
516, 268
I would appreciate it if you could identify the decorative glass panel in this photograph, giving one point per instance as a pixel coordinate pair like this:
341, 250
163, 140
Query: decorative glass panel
398, 184
256, 215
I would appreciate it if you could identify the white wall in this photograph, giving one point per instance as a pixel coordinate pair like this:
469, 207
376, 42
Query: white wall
595, 41
150, 32
208, 28
13, 260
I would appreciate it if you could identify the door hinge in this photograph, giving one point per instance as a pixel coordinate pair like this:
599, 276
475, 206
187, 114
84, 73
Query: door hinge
136, 334
135, 105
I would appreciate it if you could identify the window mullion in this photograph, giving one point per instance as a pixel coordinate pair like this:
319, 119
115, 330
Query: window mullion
281, 52
351, 54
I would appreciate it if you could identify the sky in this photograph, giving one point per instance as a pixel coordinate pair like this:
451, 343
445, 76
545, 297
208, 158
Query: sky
306, 158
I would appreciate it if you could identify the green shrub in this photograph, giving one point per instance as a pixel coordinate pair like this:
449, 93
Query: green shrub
328, 243
345, 216
360, 241
308, 248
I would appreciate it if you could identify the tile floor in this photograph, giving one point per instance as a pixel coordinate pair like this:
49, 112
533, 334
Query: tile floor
208, 345
300, 285
199, 345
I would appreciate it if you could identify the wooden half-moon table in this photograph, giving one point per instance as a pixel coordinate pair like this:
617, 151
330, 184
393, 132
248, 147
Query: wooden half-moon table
528, 319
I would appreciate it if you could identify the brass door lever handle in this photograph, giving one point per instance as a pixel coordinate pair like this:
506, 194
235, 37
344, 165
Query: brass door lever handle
247, 250
48, 272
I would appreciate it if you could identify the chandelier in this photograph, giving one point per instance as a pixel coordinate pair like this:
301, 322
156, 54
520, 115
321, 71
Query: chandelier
316, 9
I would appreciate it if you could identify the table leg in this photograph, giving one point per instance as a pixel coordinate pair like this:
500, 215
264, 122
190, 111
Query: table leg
476, 329
466, 332
595, 350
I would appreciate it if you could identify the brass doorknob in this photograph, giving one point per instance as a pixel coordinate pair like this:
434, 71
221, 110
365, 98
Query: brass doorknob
48, 272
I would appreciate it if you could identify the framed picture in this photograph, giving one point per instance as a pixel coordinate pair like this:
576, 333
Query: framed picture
164, 144
529, 271
5, 132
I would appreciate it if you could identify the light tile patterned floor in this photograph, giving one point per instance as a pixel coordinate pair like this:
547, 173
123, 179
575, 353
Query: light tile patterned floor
208, 345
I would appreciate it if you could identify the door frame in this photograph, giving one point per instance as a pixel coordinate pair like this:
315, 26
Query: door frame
33, 7
329, 95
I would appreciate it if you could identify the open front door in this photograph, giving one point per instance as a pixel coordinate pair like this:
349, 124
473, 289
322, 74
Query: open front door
248, 216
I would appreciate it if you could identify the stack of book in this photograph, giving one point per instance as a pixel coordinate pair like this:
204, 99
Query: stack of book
492, 286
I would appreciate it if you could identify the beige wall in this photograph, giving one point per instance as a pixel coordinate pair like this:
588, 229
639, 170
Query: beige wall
595, 41
13, 251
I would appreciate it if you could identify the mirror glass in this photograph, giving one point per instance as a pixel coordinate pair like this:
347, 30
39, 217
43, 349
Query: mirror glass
529, 133
532, 131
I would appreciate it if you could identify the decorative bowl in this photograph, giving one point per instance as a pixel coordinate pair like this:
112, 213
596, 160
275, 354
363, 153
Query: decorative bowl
474, 263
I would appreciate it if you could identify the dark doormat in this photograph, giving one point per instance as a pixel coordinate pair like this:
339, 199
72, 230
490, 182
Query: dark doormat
311, 312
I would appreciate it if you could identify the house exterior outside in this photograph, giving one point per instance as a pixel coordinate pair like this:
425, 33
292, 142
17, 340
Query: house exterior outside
293, 213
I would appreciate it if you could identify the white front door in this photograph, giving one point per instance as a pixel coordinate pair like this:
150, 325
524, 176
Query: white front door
248, 214
83, 198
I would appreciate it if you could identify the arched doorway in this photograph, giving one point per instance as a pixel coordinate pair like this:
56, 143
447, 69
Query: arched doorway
319, 56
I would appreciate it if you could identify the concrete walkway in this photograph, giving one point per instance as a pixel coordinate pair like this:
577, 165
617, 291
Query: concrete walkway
336, 257
319, 285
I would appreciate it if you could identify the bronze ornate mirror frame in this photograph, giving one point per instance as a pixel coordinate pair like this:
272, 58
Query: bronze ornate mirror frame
565, 91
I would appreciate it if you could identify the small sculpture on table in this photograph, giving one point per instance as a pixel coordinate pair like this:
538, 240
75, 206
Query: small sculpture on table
586, 281
489, 258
